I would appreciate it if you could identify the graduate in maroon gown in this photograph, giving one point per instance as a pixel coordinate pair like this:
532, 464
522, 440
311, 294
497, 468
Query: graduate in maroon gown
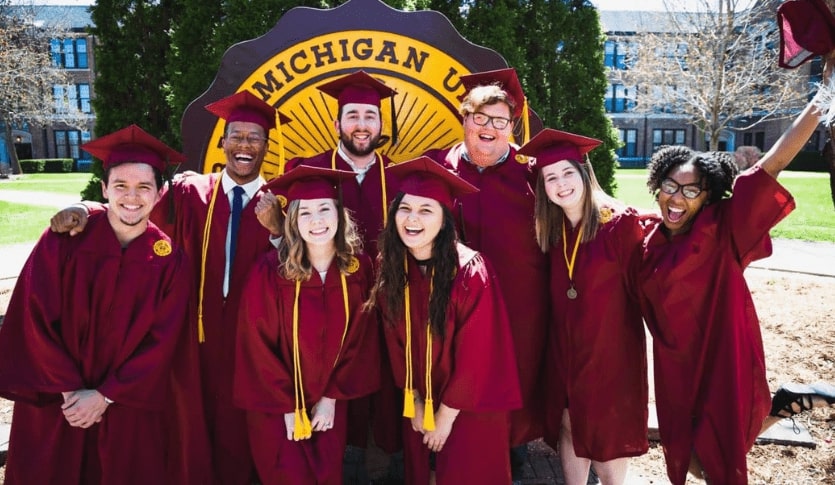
88, 339
597, 365
222, 251
498, 222
711, 391
305, 345
447, 334
359, 128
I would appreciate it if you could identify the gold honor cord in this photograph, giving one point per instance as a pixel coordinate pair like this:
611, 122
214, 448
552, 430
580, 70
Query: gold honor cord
526, 123
201, 333
571, 293
302, 428
408, 392
382, 180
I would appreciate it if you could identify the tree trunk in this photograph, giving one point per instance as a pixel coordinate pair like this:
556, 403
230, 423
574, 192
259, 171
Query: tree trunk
13, 161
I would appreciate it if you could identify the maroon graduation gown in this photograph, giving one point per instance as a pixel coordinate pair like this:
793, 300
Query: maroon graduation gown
331, 367
86, 313
498, 222
365, 201
711, 390
230, 452
472, 370
597, 349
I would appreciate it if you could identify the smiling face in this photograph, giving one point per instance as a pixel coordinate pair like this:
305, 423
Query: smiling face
419, 220
244, 146
564, 186
486, 144
678, 211
359, 128
318, 221
132, 192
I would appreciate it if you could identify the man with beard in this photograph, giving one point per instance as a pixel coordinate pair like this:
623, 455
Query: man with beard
91, 332
218, 223
359, 126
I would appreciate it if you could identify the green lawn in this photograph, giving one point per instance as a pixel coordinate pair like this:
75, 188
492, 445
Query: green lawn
61, 183
21, 223
813, 220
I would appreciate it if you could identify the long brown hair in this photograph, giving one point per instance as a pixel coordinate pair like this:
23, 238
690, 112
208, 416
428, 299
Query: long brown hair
392, 278
292, 250
549, 216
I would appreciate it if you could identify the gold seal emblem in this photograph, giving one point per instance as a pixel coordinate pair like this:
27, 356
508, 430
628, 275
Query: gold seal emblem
162, 248
605, 215
353, 265
282, 200
522, 159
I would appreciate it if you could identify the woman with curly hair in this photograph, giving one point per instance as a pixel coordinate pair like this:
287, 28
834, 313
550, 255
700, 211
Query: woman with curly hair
711, 392
596, 364
447, 334
305, 345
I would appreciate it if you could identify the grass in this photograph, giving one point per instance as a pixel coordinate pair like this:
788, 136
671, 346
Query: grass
58, 183
21, 223
24, 223
812, 220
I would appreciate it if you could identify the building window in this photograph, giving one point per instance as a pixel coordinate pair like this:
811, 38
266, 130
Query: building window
629, 141
755, 139
614, 55
69, 53
666, 137
618, 99
67, 144
813, 143
73, 96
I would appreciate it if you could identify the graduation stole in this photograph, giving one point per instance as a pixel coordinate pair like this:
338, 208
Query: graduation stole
382, 179
409, 391
302, 428
201, 334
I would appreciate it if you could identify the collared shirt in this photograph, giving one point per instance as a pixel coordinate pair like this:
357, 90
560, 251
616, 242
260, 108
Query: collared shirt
359, 171
466, 156
250, 189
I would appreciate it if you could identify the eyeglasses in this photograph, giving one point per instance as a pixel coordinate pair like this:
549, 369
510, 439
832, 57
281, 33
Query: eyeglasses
482, 119
689, 191
252, 140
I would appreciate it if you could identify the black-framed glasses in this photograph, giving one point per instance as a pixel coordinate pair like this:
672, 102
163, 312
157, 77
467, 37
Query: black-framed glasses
252, 140
482, 119
689, 191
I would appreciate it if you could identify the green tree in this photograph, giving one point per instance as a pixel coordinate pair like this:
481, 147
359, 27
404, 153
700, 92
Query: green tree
131, 51
193, 60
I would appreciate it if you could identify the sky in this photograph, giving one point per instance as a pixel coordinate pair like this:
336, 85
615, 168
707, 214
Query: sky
657, 5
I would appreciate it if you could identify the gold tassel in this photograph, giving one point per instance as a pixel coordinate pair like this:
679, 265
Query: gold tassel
408, 403
429, 416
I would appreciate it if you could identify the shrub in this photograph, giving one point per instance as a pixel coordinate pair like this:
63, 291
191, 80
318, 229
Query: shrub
31, 166
58, 165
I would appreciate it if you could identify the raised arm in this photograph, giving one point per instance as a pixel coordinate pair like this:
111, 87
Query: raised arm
793, 139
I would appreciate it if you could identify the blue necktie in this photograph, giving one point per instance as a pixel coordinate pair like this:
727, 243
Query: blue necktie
234, 222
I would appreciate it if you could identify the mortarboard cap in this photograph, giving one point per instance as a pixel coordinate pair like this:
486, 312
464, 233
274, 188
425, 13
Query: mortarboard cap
245, 106
133, 144
505, 79
807, 29
306, 182
358, 87
426, 178
551, 146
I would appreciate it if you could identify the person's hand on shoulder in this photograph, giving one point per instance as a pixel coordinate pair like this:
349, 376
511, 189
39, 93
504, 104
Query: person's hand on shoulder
72, 219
